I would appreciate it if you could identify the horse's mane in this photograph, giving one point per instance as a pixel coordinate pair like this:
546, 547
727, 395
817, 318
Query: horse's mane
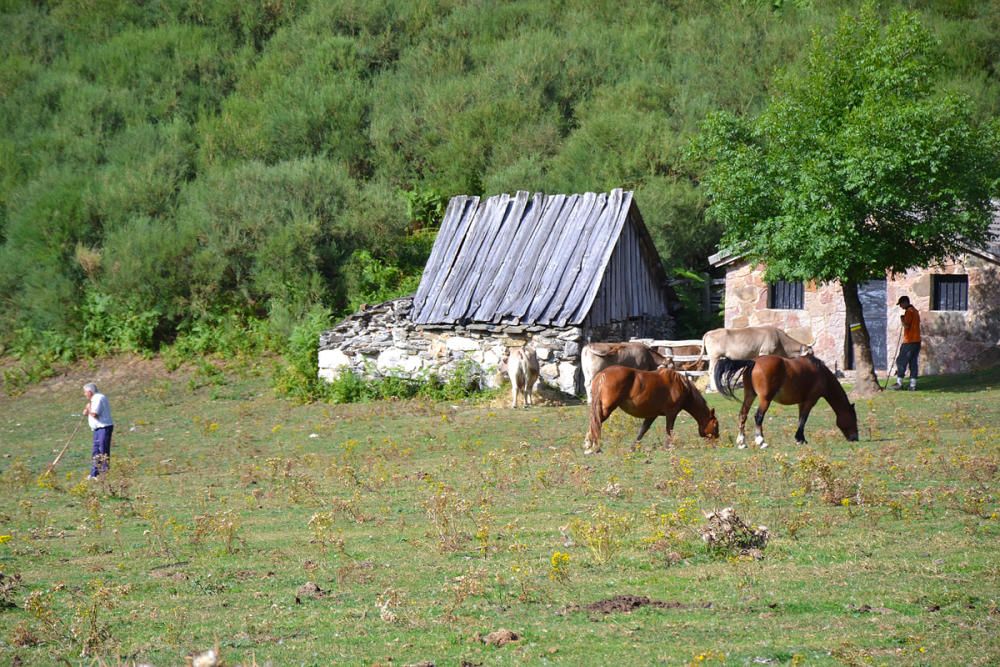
693, 390
817, 362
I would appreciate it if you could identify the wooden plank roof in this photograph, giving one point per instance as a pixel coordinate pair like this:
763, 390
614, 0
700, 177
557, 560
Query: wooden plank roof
525, 258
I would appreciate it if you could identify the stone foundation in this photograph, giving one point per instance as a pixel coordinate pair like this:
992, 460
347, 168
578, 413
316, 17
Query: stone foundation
382, 341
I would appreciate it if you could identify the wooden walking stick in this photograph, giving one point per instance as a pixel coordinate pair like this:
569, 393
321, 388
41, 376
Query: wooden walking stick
55, 462
888, 371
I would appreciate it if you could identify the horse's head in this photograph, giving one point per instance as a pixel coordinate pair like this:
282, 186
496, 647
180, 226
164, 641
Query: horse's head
847, 422
710, 429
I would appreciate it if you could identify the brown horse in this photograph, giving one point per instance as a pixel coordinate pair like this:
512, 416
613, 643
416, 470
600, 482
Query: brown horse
647, 395
799, 381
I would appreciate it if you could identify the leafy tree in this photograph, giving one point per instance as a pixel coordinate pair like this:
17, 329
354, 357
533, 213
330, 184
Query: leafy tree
858, 166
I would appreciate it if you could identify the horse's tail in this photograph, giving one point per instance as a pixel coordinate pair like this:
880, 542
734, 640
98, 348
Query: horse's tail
701, 353
595, 407
726, 371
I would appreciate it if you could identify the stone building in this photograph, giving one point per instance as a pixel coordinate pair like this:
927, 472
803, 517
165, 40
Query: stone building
959, 304
554, 270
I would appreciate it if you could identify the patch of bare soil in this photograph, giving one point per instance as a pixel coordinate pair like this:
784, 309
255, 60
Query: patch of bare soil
309, 590
868, 609
625, 604
500, 637
120, 374
170, 571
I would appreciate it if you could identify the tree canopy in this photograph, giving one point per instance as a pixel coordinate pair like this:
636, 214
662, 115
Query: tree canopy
861, 164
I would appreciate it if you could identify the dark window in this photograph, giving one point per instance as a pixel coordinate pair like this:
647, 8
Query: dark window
951, 292
784, 295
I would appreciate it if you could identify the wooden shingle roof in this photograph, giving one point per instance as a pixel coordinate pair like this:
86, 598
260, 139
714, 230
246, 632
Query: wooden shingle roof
525, 259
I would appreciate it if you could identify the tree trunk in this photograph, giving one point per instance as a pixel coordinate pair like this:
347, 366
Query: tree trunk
866, 383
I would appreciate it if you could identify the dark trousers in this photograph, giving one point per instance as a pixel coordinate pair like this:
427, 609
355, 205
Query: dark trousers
908, 354
101, 452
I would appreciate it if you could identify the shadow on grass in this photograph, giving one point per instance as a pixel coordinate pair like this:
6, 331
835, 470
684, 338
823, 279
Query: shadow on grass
982, 380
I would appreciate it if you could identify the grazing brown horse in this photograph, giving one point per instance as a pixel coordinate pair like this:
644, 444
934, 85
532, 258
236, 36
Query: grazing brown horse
647, 395
799, 381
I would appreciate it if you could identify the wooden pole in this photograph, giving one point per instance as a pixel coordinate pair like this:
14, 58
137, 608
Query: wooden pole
55, 462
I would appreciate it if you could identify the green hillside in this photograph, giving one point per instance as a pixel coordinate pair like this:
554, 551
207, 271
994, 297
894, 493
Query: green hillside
172, 166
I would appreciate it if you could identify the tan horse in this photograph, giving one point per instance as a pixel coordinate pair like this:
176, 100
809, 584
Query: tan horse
646, 395
522, 368
747, 343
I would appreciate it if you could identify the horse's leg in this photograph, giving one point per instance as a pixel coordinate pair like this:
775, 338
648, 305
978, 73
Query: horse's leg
670, 418
646, 423
513, 395
758, 420
599, 413
748, 398
805, 407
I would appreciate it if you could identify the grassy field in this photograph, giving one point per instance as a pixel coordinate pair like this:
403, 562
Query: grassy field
406, 532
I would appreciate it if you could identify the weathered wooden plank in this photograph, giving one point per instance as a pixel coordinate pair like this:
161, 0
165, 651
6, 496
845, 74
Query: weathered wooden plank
616, 220
536, 259
526, 280
504, 255
656, 302
547, 259
459, 215
675, 343
521, 262
451, 284
469, 274
580, 271
560, 259
629, 262
574, 307
439, 252
446, 294
651, 257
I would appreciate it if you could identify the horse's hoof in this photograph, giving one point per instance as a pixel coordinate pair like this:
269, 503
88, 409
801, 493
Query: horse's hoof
763, 445
742, 445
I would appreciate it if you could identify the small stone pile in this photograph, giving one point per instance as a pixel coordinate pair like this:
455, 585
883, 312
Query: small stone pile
727, 532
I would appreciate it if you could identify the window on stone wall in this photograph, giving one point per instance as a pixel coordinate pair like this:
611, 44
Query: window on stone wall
785, 295
951, 292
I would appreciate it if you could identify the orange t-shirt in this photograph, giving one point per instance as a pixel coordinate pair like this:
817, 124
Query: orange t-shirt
911, 325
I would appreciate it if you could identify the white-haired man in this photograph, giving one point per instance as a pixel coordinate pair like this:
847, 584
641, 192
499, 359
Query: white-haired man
98, 413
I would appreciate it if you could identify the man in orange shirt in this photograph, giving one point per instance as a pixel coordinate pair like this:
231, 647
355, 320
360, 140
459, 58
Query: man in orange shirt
909, 351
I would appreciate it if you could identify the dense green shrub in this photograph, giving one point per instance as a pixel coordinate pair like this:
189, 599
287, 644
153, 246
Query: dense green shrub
298, 377
465, 381
174, 167
268, 234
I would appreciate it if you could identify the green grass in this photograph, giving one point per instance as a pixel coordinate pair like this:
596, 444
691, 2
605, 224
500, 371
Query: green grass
201, 535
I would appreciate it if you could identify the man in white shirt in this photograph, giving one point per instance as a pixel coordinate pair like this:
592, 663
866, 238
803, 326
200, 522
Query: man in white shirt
98, 413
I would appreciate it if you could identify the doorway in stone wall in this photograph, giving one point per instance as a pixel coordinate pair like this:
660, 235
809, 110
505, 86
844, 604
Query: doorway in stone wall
873, 295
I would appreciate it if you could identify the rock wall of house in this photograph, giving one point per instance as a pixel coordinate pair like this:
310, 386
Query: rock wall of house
953, 341
820, 322
381, 340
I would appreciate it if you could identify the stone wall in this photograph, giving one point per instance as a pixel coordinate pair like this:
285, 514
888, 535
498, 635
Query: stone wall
381, 340
953, 341
820, 323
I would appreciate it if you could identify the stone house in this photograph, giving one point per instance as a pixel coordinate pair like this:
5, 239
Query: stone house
554, 270
959, 304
